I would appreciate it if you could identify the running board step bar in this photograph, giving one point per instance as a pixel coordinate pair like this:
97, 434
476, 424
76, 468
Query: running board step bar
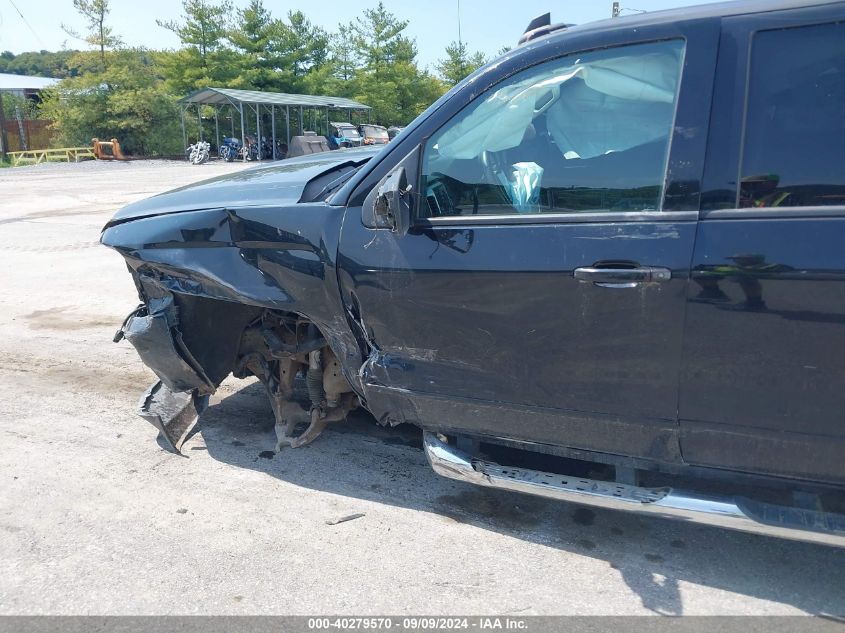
725, 512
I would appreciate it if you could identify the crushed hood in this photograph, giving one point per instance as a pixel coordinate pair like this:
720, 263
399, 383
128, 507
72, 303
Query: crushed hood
279, 183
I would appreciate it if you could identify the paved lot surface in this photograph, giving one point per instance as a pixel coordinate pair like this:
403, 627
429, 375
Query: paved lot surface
96, 519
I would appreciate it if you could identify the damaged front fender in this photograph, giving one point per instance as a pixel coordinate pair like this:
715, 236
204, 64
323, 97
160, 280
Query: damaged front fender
208, 277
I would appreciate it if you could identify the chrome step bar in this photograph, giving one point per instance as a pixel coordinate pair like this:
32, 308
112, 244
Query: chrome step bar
724, 512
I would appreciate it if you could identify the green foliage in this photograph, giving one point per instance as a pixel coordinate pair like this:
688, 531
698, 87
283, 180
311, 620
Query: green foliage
184, 71
12, 104
111, 93
254, 30
389, 79
131, 94
99, 34
379, 39
343, 53
203, 28
37, 63
124, 100
274, 54
255, 38
305, 46
459, 63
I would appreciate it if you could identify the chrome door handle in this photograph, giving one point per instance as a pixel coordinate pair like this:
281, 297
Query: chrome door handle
622, 277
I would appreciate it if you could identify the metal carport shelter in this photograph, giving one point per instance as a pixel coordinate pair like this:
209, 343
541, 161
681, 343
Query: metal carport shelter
254, 100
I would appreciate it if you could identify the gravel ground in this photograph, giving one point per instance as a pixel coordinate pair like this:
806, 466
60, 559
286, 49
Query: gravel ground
96, 519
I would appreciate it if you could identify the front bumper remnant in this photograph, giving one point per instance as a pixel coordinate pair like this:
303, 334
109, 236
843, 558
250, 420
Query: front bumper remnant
152, 331
174, 403
174, 414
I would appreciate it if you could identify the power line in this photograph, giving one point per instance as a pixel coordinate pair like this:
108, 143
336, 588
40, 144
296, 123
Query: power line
25, 21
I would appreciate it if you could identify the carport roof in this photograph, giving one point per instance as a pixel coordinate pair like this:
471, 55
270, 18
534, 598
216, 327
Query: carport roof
219, 96
25, 82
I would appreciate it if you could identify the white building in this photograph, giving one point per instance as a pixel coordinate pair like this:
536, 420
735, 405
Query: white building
25, 85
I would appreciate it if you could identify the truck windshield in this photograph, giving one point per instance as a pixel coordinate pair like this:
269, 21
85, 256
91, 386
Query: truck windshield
348, 132
372, 131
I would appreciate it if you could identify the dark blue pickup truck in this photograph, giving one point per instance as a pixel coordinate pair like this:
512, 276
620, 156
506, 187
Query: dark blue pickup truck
618, 251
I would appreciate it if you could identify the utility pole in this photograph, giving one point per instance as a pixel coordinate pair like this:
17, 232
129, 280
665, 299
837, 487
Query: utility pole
615, 13
3, 147
19, 117
460, 45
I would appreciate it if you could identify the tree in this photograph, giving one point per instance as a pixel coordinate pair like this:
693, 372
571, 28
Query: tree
305, 47
253, 37
99, 35
125, 99
38, 63
131, 93
459, 63
390, 80
203, 27
253, 29
338, 75
204, 60
5, 58
12, 104
343, 52
379, 40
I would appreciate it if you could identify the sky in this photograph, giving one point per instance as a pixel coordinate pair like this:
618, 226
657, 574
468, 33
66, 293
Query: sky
486, 25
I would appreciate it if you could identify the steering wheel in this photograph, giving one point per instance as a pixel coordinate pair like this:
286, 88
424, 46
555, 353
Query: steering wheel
489, 164
475, 199
495, 164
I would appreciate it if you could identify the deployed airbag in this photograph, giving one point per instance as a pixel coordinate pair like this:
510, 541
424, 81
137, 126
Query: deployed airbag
593, 104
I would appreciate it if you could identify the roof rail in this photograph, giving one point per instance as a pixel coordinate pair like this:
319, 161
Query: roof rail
539, 26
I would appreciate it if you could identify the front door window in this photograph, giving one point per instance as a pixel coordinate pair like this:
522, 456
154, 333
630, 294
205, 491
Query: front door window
587, 132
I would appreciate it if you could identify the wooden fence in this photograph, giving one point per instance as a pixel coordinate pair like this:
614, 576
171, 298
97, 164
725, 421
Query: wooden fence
60, 154
36, 132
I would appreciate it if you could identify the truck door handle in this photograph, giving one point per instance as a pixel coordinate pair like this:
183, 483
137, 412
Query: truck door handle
622, 277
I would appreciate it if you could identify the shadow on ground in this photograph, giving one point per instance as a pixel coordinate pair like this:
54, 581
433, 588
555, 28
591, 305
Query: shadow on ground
360, 460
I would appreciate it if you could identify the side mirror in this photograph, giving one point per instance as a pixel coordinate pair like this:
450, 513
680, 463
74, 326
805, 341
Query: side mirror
392, 207
390, 204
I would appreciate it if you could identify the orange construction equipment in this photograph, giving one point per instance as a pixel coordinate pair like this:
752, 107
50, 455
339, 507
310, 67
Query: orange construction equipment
107, 150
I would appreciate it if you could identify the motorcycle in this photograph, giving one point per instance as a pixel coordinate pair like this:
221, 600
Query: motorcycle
250, 152
266, 148
198, 153
230, 149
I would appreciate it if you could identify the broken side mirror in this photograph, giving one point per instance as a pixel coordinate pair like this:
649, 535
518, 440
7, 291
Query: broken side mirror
390, 204
393, 202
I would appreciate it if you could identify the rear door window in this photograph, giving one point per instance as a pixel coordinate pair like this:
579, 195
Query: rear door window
794, 146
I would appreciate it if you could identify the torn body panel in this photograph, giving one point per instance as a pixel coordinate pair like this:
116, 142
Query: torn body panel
245, 257
151, 329
174, 414
236, 290
174, 403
